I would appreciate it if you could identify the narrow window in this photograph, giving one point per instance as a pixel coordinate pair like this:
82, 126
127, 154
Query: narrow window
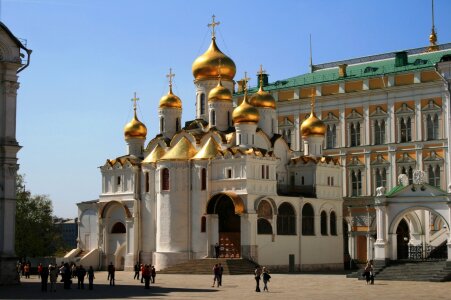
286, 220
177, 124
263, 172
118, 180
165, 179
267, 172
333, 224
308, 220
161, 124
213, 118
202, 103
203, 179
203, 224
229, 173
323, 223
356, 182
147, 184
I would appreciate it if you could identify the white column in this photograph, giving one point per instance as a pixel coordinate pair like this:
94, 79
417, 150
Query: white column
366, 124
296, 142
342, 119
418, 121
380, 246
367, 174
391, 119
392, 159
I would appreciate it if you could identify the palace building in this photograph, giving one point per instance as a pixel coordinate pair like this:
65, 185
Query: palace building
227, 177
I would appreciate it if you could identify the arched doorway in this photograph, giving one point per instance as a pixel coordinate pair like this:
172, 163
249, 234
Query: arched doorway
228, 207
402, 240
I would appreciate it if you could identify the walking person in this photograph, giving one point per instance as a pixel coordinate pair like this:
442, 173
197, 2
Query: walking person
217, 250
142, 270
153, 273
26, 270
110, 267
220, 271
81, 273
368, 272
39, 270
146, 275
215, 275
44, 278
112, 274
257, 273
136, 268
67, 277
91, 277
53, 274
266, 278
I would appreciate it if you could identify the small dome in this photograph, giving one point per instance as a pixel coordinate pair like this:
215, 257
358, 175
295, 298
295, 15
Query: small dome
206, 65
135, 129
220, 93
313, 126
170, 100
245, 113
263, 99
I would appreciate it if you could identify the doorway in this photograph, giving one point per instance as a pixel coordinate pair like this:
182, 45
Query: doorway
402, 240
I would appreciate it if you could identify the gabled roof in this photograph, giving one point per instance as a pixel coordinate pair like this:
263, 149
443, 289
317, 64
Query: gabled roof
11, 35
420, 190
183, 150
209, 150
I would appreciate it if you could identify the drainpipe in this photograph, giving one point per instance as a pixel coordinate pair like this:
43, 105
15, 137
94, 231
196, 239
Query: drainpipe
28, 60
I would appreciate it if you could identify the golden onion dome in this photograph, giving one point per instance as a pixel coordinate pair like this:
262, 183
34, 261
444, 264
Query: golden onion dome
135, 129
245, 113
263, 99
220, 93
206, 65
313, 126
170, 100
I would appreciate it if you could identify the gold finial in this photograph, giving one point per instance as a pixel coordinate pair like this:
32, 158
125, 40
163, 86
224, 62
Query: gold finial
261, 72
170, 76
312, 103
245, 80
213, 24
134, 99
433, 36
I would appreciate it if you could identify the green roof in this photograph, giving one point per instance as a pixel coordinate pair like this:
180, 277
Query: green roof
360, 68
394, 190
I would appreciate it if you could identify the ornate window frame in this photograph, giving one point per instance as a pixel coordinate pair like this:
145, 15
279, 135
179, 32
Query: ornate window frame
354, 167
332, 124
408, 163
433, 112
402, 116
354, 126
380, 167
434, 161
378, 119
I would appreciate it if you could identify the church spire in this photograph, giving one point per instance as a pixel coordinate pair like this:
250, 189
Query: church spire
433, 36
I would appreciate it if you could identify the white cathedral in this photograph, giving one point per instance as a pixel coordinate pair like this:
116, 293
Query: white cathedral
227, 177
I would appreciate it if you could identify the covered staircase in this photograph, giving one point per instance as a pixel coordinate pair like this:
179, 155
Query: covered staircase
205, 266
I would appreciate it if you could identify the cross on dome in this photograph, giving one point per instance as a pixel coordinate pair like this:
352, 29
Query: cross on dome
170, 76
213, 24
134, 99
246, 80
261, 72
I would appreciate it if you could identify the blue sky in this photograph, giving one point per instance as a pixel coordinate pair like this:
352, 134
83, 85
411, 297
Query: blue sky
89, 56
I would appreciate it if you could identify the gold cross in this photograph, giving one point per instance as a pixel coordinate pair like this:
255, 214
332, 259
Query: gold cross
170, 76
246, 80
213, 24
261, 72
134, 99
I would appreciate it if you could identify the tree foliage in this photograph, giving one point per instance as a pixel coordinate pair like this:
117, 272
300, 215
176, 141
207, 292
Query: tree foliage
35, 233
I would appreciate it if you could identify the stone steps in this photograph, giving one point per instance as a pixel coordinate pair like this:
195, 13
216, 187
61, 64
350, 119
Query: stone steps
205, 266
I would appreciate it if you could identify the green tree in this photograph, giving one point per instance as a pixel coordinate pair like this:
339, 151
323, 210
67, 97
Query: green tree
35, 233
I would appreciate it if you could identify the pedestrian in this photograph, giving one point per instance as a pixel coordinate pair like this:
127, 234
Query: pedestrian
53, 274
44, 278
73, 270
110, 267
146, 275
112, 274
217, 250
81, 273
266, 278
91, 277
215, 275
67, 276
142, 270
39, 270
257, 273
26, 269
136, 268
368, 272
153, 273
220, 271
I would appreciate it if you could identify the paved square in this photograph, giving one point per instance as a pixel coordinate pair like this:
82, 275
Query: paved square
282, 286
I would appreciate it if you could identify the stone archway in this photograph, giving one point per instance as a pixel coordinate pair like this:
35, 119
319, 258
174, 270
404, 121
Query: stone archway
227, 207
402, 240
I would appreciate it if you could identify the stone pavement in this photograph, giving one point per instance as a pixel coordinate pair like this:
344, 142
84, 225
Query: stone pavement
282, 286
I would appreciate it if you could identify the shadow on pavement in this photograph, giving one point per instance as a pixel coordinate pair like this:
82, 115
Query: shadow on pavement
32, 290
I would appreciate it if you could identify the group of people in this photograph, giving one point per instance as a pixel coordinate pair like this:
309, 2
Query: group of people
217, 275
261, 274
148, 274
368, 272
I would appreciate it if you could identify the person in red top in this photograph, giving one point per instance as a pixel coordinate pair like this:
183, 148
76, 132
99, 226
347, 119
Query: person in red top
142, 273
39, 270
146, 275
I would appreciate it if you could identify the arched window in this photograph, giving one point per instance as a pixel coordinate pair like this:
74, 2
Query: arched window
408, 172
379, 132
286, 220
213, 118
177, 124
203, 179
161, 124
308, 220
165, 179
202, 103
203, 224
263, 226
118, 228
355, 134
331, 136
381, 177
406, 132
333, 224
434, 175
356, 182
323, 223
